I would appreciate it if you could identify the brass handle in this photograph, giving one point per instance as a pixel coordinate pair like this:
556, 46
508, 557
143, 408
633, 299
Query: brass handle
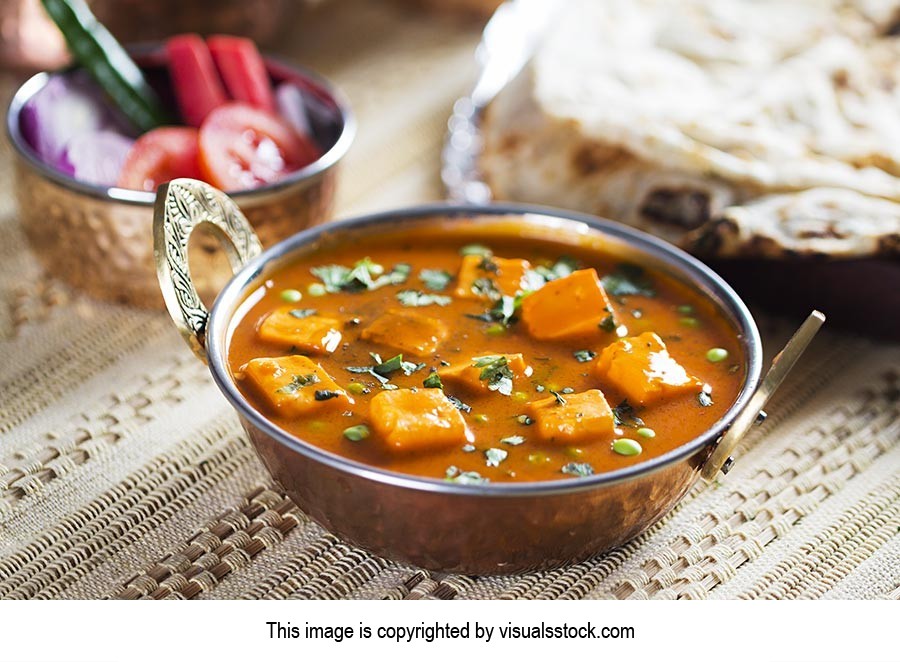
781, 366
181, 206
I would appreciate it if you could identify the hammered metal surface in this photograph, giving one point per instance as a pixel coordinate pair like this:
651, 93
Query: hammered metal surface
105, 247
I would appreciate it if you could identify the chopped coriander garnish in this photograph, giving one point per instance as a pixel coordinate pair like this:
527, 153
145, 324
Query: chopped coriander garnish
608, 323
459, 404
495, 371
301, 313
505, 309
476, 249
513, 440
393, 364
467, 478
584, 355
298, 382
531, 281
435, 280
487, 264
327, 394
357, 432
409, 367
563, 267
416, 299
485, 287
578, 469
494, 456
433, 381
624, 415
336, 278
627, 280
559, 399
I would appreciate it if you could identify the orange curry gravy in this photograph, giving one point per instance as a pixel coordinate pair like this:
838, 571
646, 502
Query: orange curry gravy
688, 325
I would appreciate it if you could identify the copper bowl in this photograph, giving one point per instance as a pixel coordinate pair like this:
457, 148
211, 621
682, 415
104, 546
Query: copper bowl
476, 529
98, 239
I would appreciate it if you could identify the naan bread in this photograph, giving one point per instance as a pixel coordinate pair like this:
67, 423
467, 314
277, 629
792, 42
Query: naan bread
733, 127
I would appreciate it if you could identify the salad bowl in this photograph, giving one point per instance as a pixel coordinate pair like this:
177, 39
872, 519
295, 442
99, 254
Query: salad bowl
98, 238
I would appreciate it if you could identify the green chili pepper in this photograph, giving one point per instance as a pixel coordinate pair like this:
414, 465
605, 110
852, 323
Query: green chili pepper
105, 59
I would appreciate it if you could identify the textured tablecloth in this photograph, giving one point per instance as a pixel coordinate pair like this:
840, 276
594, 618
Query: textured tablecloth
123, 472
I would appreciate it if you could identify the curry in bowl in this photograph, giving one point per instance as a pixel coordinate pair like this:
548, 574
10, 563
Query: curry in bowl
484, 357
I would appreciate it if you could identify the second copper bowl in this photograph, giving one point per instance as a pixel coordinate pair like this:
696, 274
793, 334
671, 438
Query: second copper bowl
99, 239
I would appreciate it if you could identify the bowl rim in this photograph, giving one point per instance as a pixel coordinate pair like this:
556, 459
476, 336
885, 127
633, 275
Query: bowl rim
689, 268
274, 64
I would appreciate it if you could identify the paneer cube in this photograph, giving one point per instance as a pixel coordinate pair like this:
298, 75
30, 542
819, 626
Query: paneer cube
570, 307
294, 386
468, 373
293, 327
643, 370
407, 331
505, 274
581, 418
417, 421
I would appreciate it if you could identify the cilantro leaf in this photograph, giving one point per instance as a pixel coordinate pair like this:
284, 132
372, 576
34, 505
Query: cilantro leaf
416, 299
494, 456
578, 469
626, 280
298, 382
624, 415
435, 280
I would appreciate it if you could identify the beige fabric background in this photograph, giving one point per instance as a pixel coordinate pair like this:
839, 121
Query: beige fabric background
123, 472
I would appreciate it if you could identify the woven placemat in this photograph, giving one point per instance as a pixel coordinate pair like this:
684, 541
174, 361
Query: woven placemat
123, 472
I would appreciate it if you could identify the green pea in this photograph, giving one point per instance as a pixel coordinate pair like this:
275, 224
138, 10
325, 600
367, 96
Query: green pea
316, 290
356, 388
685, 309
357, 432
495, 330
716, 355
690, 322
520, 396
574, 452
647, 433
317, 426
480, 418
538, 458
626, 446
291, 296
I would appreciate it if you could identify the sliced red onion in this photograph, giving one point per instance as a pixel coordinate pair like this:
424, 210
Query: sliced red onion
67, 106
292, 107
95, 157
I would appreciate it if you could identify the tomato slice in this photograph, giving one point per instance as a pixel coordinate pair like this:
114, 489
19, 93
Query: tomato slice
243, 70
159, 156
242, 147
195, 80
